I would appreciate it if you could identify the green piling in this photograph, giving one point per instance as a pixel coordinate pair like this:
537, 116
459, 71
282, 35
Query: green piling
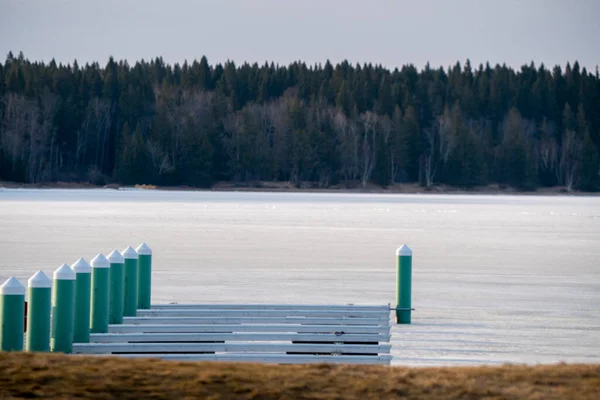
403, 284
12, 313
131, 282
144, 287
39, 306
83, 281
63, 307
100, 294
117, 277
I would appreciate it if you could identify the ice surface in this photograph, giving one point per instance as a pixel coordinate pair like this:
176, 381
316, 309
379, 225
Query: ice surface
497, 279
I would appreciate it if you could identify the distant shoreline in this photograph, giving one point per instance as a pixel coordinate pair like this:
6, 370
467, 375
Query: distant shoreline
283, 187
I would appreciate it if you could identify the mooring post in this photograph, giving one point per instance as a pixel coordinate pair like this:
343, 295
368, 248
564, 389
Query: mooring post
144, 276
117, 276
131, 282
100, 294
83, 281
39, 306
63, 307
403, 284
12, 312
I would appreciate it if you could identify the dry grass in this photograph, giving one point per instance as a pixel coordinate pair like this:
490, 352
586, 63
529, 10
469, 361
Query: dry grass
24, 375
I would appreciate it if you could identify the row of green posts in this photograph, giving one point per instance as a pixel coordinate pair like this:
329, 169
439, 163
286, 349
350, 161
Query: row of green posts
79, 300
86, 298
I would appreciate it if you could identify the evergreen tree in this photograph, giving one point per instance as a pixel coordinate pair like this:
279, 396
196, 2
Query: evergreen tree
132, 165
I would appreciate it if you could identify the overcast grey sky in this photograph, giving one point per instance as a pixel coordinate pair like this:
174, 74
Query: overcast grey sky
390, 32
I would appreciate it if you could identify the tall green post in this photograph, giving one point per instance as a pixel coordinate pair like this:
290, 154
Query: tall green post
100, 294
12, 314
117, 277
39, 306
131, 282
144, 286
403, 284
63, 307
83, 282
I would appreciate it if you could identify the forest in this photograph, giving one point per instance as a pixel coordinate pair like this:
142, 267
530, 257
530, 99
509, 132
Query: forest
196, 124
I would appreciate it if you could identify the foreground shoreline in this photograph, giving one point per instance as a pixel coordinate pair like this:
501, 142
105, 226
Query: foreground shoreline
27, 375
283, 187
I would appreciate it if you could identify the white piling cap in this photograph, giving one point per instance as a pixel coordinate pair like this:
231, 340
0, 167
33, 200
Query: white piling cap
100, 262
81, 267
404, 250
12, 286
64, 273
144, 249
129, 253
39, 280
115, 257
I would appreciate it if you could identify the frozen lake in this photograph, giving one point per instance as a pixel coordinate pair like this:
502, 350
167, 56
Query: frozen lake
497, 279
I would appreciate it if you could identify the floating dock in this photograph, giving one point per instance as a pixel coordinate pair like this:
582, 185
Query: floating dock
103, 308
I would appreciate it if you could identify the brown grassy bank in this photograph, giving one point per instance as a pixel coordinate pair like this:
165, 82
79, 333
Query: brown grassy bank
47, 376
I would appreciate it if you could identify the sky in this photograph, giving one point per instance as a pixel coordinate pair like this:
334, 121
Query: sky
388, 32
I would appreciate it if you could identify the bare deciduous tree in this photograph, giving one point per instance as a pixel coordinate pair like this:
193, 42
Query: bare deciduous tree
368, 149
440, 143
347, 134
49, 107
93, 134
548, 151
570, 159
160, 159
233, 142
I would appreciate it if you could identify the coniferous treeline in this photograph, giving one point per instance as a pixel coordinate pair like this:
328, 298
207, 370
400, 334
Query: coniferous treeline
195, 124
